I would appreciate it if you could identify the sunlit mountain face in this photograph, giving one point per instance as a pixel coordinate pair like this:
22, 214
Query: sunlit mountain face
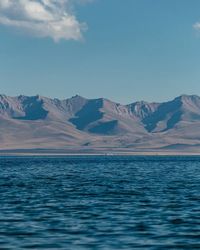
41, 122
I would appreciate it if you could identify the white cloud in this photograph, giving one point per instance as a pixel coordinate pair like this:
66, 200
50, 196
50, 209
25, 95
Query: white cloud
43, 18
196, 26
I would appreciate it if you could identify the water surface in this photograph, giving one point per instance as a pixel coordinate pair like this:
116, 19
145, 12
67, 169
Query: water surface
99, 202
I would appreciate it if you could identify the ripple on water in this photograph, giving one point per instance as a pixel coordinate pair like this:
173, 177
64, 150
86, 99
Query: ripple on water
100, 203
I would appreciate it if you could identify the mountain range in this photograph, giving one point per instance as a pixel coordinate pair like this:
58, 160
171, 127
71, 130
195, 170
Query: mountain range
78, 124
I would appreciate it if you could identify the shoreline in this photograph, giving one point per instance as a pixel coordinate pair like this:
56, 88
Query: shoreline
4, 153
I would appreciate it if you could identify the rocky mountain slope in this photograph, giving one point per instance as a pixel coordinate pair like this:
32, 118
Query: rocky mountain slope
78, 123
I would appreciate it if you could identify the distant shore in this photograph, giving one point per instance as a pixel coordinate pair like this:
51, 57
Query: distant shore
62, 152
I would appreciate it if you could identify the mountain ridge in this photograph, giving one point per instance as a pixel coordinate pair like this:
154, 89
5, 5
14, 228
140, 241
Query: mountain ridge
78, 122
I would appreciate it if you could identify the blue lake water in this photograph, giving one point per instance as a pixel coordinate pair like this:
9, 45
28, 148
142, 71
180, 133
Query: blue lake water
100, 202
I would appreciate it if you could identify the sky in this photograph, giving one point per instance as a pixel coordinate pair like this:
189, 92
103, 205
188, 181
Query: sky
123, 50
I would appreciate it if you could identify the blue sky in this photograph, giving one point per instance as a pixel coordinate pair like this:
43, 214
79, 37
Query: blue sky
131, 50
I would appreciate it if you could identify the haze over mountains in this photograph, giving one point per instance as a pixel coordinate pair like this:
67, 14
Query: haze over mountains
37, 122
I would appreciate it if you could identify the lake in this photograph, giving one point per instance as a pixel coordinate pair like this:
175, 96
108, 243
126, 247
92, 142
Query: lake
97, 202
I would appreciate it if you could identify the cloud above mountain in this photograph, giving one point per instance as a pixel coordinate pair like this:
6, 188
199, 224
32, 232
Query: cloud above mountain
196, 26
43, 18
